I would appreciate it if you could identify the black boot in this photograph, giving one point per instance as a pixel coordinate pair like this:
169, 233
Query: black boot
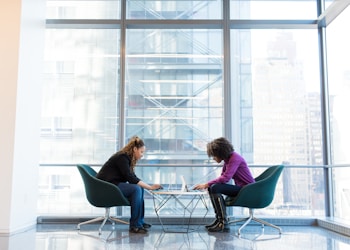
221, 224
212, 224
216, 214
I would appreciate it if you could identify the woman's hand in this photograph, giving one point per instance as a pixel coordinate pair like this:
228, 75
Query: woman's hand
156, 186
149, 187
201, 186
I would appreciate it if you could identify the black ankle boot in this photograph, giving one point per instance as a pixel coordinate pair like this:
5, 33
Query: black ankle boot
220, 226
212, 224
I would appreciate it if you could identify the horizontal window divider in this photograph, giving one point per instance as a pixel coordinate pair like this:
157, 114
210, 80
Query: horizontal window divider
83, 23
273, 24
174, 24
180, 24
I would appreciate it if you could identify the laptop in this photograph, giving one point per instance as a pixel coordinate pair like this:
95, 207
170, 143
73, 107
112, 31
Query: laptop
184, 187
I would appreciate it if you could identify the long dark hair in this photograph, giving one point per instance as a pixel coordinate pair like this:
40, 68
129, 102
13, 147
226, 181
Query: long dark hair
220, 148
128, 149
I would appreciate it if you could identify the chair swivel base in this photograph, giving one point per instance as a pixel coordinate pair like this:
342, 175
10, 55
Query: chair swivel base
250, 218
104, 220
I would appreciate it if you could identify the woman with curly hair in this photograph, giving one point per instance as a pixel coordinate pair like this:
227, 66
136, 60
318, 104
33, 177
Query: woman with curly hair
236, 168
120, 170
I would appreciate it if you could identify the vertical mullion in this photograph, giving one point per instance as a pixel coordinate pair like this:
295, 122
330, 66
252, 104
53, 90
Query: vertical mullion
122, 92
325, 113
226, 67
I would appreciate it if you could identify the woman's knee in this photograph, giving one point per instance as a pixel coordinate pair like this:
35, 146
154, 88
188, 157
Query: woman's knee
215, 188
138, 191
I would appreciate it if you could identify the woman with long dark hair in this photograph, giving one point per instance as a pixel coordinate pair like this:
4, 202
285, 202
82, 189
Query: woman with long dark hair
120, 170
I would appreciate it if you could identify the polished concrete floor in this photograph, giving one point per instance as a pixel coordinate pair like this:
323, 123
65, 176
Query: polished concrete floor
66, 237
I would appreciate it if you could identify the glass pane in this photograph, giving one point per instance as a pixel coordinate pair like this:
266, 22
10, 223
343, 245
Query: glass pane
328, 3
338, 53
78, 9
174, 91
280, 9
80, 96
278, 74
148, 9
341, 193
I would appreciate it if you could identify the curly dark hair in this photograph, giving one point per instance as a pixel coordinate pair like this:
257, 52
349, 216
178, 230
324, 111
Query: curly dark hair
220, 148
128, 149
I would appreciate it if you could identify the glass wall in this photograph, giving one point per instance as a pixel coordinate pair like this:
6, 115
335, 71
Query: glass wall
338, 53
277, 75
179, 74
174, 92
80, 96
174, 10
273, 10
77, 9
278, 80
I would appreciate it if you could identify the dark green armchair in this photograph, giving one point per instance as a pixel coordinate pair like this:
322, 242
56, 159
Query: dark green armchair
257, 195
102, 194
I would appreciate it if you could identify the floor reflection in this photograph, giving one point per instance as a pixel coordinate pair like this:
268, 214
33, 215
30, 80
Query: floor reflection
66, 237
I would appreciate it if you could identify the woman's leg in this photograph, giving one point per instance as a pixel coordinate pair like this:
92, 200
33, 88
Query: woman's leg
134, 193
215, 193
142, 208
215, 210
226, 189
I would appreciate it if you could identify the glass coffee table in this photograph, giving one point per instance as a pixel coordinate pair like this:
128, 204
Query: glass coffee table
183, 203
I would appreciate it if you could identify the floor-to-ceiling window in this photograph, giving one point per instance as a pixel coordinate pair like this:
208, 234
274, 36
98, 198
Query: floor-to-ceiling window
338, 53
179, 74
279, 73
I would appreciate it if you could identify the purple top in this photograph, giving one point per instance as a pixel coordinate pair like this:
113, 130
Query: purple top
234, 168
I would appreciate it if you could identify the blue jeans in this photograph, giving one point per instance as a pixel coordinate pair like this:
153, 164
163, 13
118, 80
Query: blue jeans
134, 193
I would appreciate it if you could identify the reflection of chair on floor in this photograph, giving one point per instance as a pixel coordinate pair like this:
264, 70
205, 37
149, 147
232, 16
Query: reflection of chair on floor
188, 241
101, 194
257, 195
106, 238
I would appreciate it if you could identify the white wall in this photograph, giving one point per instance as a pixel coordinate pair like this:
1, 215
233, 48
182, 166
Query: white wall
22, 26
